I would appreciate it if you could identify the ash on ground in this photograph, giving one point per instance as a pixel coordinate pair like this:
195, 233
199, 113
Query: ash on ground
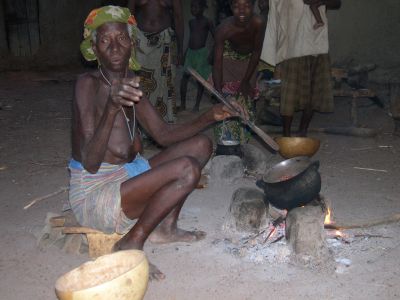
268, 246
349, 245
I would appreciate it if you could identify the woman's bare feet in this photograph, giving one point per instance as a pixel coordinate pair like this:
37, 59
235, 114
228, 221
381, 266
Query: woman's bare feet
179, 235
154, 272
126, 244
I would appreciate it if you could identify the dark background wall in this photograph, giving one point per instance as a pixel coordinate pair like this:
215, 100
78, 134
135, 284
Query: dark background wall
365, 31
3, 44
60, 32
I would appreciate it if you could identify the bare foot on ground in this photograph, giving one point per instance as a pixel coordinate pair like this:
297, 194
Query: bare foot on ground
124, 244
180, 235
154, 272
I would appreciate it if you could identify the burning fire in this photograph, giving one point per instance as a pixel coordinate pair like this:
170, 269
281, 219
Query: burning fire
328, 219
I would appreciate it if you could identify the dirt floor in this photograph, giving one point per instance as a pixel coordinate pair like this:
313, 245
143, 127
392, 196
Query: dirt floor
360, 180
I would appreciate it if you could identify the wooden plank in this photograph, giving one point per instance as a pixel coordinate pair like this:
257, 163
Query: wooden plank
361, 93
339, 74
57, 221
85, 230
66, 220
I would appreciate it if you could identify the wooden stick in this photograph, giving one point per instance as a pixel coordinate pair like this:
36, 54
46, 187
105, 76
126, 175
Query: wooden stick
367, 235
369, 169
36, 200
391, 219
57, 221
59, 164
265, 137
349, 131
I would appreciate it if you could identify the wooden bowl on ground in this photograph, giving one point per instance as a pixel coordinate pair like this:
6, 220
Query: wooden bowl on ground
290, 147
122, 275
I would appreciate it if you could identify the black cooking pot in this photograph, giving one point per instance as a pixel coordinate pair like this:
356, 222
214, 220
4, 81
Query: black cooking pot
229, 148
291, 183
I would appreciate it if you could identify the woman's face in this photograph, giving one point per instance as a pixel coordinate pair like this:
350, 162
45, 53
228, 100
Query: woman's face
242, 10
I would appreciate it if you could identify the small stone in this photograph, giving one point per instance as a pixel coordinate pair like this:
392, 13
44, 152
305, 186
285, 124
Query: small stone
247, 212
343, 261
254, 159
305, 231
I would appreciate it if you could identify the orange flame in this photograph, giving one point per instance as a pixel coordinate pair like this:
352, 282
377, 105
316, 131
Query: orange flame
328, 217
328, 220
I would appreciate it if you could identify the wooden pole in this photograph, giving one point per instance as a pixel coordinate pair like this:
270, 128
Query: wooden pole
265, 137
391, 219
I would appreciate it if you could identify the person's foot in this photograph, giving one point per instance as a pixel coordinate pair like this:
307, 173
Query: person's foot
318, 25
195, 109
155, 273
179, 235
125, 244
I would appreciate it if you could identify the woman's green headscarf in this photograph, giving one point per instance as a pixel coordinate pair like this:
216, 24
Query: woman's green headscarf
100, 16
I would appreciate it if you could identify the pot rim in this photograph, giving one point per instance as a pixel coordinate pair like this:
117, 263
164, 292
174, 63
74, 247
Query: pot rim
292, 168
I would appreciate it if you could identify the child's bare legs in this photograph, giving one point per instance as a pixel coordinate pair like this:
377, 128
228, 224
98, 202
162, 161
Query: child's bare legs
200, 90
287, 123
317, 16
185, 79
305, 122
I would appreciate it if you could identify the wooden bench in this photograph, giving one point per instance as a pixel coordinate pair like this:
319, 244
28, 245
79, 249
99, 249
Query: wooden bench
356, 94
99, 243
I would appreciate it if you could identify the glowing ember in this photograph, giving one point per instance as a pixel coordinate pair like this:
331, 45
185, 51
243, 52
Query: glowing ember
285, 177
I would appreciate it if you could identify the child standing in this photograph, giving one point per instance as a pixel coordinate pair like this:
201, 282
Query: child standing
196, 56
238, 45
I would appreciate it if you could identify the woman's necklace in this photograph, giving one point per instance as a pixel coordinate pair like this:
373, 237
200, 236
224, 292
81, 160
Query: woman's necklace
132, 135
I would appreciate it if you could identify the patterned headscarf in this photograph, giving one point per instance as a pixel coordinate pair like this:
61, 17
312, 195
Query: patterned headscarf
100, 16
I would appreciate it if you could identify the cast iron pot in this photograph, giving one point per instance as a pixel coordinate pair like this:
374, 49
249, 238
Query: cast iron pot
291, 183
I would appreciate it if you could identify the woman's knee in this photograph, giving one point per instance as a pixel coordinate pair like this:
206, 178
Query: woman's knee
190, 170
204, 144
